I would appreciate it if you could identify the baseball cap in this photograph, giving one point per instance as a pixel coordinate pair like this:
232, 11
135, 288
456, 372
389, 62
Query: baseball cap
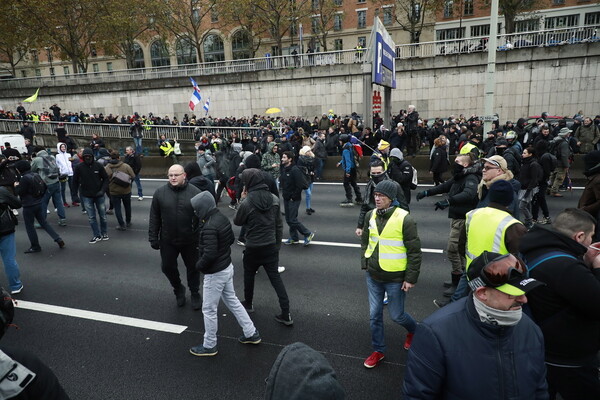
498, 161
504, 272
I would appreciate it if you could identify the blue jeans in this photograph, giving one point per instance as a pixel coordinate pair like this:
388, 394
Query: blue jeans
53, 192
37, 212
291, 217
138, 184
307, 195
126, 199
137, 142
91, 204
8, 250
462, 290
395, 306
63, 191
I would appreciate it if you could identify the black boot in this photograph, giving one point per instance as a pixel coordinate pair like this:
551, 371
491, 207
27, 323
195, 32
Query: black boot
455, 279
180, 295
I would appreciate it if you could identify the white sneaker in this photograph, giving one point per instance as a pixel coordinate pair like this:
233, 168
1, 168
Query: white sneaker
15, 212
140, 198
281, 269
48, 211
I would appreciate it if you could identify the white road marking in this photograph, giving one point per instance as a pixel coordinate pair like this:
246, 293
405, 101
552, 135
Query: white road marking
356, 245
103, 317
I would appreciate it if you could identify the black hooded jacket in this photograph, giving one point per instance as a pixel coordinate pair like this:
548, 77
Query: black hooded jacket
259, 212
300, 373
195, 177
90, 179
567, 309
215, 235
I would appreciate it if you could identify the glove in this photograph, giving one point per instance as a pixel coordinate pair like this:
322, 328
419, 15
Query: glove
155, 244
441, 205
421, 195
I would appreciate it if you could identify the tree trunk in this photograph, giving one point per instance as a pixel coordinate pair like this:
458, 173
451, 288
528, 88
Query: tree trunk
509, 22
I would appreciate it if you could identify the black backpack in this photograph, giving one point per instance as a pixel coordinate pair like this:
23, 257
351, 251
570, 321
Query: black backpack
306, 180
38, 186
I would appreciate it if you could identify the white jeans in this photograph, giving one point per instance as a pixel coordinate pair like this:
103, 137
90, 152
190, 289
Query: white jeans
220, 286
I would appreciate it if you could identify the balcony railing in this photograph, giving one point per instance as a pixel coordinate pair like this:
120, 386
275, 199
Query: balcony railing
121, 131
195, 70
546, 38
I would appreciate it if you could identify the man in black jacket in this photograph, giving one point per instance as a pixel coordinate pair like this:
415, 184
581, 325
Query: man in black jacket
462, 198
291, 188
91, 180
530, 177
214, 241
31, 200
259, 213
134, 161
172, 231
567, 309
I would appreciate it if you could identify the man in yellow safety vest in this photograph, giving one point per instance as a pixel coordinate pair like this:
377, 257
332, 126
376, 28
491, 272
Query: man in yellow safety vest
391, 254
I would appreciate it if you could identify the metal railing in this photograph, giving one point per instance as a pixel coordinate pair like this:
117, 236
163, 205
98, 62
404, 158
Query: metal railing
545, 38
195, 70
121, 131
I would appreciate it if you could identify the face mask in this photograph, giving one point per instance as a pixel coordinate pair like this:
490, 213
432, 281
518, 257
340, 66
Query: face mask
457, 169
500, 150
88, 160
378, 178
493, 316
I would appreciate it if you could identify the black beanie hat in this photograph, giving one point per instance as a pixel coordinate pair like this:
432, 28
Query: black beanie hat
501, 192
388, 188
23, 166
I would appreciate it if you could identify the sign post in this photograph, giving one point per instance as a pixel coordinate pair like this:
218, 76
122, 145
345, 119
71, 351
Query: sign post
383, 71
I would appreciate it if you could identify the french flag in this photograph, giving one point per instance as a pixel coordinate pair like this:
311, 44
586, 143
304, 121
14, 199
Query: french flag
206, 106
196, 97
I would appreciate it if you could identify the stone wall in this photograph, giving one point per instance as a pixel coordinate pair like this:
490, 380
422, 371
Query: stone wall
560, 80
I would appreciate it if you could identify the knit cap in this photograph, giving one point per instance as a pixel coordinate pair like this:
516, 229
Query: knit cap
388, 188
501, 192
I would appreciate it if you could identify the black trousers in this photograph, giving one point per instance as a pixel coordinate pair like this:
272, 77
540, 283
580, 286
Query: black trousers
350, 183
268, 257
189, 253
580, 383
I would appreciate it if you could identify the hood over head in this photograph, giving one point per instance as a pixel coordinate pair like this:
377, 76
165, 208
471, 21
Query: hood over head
299, 372
252, 178
396, 152
271, 145
192, 169
42, 153
252, 161
203, 203
58, 151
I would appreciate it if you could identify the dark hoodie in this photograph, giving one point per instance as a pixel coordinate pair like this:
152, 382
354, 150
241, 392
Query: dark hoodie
89, 177
567, 309
299, 373
590, 198
195, 177
215, 235
259, 212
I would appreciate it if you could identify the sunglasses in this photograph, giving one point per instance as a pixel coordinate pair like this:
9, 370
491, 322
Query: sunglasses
502, 270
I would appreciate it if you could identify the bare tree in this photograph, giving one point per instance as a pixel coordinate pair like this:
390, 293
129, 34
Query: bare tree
411, 15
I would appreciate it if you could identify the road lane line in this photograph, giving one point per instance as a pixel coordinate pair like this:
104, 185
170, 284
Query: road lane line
103, 317
356, 245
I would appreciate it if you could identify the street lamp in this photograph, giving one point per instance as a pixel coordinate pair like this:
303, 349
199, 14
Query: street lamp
49, 54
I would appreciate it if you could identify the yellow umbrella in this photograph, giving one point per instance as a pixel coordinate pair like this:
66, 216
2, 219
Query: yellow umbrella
273, 110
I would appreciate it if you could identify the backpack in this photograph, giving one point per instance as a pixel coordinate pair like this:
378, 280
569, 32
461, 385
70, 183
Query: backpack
553, 160
306, 179
50, 168
38, 186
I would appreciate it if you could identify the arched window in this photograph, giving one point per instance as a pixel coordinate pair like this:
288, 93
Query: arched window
159, 54
138, 56
241, 43
186, 52
213, 49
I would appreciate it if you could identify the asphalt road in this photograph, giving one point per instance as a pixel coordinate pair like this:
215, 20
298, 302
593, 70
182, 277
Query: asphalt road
121, 277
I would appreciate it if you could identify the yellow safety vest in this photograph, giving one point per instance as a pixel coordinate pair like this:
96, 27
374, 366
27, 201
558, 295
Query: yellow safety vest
467, 149
392, 252
166, 148
486, 228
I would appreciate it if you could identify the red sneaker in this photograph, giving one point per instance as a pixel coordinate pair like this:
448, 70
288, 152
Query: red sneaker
75, 204
374, 359
66, 205
408, 341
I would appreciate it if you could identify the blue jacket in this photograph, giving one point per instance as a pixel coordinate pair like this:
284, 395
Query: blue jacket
456, 356
348, 158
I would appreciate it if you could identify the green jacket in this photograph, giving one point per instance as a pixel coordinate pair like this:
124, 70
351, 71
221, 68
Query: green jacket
270, 158
411, 242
